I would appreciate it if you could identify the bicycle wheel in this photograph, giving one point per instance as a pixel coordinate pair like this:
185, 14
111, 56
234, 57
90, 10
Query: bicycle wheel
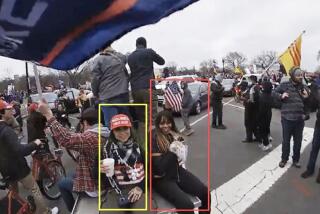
48, 183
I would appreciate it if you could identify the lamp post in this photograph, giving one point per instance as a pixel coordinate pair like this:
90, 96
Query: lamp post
223, 65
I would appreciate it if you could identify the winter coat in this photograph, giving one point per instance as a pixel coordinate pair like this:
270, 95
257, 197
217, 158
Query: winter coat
110, 76
13, 164
141, 66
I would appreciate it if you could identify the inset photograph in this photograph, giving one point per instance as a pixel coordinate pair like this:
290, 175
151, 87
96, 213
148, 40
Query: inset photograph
180, 147
123, 160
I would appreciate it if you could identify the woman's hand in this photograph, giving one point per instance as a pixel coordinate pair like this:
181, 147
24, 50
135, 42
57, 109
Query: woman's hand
135, 194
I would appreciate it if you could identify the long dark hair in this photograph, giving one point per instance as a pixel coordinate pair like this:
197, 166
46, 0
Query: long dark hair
162, 140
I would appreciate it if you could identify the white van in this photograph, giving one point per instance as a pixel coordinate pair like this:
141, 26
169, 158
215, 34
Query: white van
246, 77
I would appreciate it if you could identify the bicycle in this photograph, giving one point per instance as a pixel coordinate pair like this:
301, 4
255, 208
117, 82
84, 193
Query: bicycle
13, 203
47, 169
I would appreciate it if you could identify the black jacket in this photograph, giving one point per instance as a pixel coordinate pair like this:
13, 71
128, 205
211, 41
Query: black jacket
165, 165
217, 92
12, 162
187, 100
36, 124
293, 107
141, 66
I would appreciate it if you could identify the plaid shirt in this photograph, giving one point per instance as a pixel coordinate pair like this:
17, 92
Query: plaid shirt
87, 145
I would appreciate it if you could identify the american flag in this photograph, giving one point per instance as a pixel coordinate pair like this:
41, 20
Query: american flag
173, 96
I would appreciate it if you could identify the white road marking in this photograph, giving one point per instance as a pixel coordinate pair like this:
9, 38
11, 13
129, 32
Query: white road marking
206, 115
228, 104
239, 193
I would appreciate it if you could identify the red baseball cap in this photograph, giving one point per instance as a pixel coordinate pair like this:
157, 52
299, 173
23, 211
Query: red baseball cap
120, 120
5, 105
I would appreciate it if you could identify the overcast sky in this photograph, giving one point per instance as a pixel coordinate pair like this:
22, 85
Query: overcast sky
212, 28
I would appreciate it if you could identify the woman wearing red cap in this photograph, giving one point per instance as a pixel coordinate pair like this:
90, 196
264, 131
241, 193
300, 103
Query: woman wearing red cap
170, 179
128, 180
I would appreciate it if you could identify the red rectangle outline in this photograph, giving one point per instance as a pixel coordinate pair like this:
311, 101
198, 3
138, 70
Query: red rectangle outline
150, 146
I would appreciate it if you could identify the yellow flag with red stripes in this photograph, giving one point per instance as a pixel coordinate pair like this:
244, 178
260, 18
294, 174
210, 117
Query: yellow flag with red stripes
238, 70
292, 56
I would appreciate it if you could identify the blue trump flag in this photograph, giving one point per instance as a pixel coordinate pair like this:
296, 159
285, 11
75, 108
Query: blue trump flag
64, 33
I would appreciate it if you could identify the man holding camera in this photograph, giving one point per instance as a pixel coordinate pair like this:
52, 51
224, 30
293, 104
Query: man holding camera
293, 96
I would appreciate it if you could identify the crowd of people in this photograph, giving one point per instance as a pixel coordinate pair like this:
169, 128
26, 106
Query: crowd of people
296, 100
120, 140
123, 161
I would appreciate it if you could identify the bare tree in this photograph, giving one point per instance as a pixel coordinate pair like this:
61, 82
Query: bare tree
172, 67
265, 59
74, 74
208, 67
234, 59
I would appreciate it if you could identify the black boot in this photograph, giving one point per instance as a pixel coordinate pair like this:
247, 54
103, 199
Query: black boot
307, 174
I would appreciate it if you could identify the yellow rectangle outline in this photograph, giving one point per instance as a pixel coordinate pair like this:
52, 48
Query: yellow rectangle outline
146, 157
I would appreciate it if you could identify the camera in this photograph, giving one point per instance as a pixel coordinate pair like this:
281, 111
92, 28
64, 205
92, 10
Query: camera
124, 202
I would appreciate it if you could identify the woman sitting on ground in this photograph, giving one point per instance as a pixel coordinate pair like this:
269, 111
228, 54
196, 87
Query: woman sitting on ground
170, 179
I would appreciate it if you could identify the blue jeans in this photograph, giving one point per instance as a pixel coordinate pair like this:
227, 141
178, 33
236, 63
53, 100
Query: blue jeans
315, 148
65, 187
110, 111
291, 128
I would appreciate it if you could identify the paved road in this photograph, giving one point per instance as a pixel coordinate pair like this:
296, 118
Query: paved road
244, 179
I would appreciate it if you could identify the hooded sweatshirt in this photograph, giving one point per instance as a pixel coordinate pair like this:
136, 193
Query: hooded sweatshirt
12, 154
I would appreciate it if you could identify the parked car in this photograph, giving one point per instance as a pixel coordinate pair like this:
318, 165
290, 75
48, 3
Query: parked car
161, 85
199, 93
50, 97
246, 77
228, 85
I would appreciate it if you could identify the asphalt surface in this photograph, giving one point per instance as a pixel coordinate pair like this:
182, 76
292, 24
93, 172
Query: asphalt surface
229, 156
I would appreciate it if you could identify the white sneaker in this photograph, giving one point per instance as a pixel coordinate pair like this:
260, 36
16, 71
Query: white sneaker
55, 210
270, 139
266, 148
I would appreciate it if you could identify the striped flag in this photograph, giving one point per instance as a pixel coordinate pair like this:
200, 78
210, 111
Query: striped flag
64, 34
292, 56
173, 96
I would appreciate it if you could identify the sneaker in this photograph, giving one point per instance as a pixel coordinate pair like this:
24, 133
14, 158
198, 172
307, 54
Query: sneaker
282, 163
270, 139
266, 148
306, 174
221, 126
260, 145
55, 210
296, 164
214, 126
247, 141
